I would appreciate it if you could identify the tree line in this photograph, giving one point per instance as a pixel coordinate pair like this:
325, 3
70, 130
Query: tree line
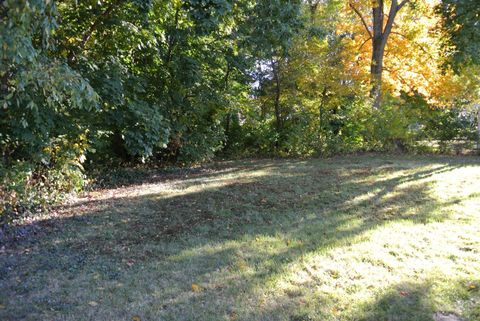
90, 83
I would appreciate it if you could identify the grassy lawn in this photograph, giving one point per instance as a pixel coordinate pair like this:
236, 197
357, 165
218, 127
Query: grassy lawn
353, 238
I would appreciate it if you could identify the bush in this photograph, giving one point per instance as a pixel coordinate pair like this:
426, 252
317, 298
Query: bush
404, 121
29, 186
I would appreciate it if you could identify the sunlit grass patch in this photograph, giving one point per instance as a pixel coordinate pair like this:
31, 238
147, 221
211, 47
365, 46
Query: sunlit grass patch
364, 238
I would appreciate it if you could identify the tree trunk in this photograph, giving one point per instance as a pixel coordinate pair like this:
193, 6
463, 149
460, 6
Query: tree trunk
313, 9
378, 33
277, 107
5, 77
228, 115
478, 129
378, 44
376, 70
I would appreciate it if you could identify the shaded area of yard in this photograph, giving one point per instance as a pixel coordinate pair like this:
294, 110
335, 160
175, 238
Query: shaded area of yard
359, 238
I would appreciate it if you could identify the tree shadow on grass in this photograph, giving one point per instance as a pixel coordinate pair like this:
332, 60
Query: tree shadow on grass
416, 302
109, 259
121, 177
405, 301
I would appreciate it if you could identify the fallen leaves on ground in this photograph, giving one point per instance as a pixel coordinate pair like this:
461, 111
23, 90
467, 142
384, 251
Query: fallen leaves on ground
196, 287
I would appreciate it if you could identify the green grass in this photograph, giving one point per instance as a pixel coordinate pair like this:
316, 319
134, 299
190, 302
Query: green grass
354, 238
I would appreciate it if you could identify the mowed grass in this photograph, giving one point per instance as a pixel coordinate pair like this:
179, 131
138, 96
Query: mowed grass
349, 238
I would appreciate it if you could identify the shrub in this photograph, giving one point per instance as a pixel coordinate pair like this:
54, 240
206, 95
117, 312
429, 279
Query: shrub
29, 185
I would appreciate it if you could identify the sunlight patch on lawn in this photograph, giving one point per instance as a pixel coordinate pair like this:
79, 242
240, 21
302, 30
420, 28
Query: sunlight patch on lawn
394, 254
361, 239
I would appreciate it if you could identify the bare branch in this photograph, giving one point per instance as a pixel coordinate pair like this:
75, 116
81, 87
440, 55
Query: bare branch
363, 43
404, 2
361, 18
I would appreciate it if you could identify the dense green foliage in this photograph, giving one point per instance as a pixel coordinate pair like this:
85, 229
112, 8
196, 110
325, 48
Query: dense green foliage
108, 82
42, 137
461, 20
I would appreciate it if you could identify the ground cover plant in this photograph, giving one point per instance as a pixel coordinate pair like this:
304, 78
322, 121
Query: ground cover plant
370, 237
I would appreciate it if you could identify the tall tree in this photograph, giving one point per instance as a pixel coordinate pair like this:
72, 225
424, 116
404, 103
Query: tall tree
461, 23
379, 31
462, 26
272, 27
39, 94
